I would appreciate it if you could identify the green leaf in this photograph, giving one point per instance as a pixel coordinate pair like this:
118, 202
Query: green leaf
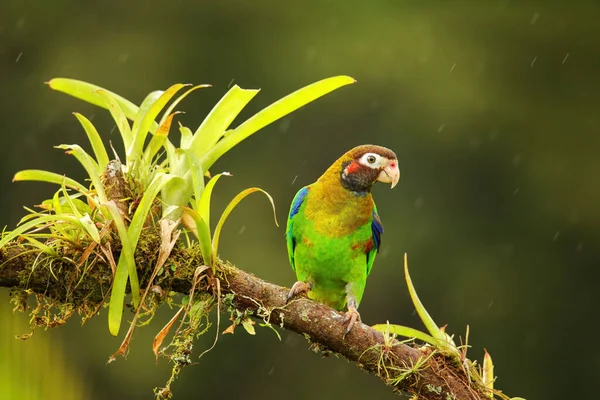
272, 113
125, 269
186, 136
179, 99
41, 246
429, 323
176, 159
133, 235
56, 203
200, 230
148, 112
67, 198
47, 176
203, 204
195, 170
139, 218
175, 194
119, 116
170, 150
146, 105
159, 139
90, 227
35, 223
91, 167
95, 140
219, 118
81, 207
488, 371
58, 209
87, 92
248, 325
406, 331
232, 204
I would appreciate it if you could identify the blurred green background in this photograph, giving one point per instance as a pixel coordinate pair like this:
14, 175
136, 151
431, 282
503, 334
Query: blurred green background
493, 110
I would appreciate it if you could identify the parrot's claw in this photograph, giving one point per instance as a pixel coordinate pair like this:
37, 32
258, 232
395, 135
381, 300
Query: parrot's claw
298, 288
350, 318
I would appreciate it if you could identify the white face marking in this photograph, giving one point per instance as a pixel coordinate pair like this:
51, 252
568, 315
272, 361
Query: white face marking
372, 160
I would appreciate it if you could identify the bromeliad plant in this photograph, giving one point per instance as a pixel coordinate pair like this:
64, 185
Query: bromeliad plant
155, 177
438, 342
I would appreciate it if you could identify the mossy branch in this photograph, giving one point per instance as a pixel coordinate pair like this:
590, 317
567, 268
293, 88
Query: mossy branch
422, 371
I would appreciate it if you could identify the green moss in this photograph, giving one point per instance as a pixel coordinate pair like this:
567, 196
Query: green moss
434, 388
76, 279
304, 315
196, 322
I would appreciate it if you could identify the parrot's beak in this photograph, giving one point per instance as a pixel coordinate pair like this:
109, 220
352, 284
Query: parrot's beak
390, 173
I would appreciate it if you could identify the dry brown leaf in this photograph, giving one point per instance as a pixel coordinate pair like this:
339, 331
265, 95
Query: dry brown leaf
109, 255
189, 223
229, 329
160, 337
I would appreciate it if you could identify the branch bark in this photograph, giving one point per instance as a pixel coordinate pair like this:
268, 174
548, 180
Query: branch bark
436, 377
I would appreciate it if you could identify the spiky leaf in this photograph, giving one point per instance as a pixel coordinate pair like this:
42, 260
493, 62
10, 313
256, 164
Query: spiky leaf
406, 332
148, 111
47, 176
195, 223
203, 203
272, 113
87, 92
95, 140
429, 323
126, 270
220, 117
232, 204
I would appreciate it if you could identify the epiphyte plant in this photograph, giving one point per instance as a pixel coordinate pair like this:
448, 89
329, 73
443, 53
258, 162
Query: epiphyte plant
156, 179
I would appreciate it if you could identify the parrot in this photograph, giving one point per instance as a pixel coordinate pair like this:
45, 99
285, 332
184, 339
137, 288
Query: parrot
334, 232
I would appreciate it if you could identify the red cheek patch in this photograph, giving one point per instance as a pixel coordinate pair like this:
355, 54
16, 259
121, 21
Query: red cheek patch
352, 168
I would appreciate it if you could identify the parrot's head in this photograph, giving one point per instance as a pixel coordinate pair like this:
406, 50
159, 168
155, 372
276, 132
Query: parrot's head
364, 165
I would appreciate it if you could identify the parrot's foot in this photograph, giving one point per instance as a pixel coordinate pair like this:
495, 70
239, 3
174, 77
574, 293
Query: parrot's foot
350, 318
298, 288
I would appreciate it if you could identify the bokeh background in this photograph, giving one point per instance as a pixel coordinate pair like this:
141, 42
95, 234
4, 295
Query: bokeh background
493, 108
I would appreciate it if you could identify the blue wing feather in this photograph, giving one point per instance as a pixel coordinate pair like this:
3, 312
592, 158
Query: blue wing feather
377, 230
297, 202
295, 207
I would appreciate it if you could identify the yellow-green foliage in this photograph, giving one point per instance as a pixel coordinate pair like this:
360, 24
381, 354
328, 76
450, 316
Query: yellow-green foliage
122, 195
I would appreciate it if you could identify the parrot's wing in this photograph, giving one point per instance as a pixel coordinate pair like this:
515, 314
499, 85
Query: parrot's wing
377, 230
295, 207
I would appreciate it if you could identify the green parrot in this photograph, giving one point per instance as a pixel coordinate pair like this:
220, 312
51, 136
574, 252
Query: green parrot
334, 232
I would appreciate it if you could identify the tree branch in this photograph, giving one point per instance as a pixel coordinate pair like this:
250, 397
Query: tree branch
419, 370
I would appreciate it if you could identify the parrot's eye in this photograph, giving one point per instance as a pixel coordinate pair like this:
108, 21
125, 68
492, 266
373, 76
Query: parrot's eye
370, 160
